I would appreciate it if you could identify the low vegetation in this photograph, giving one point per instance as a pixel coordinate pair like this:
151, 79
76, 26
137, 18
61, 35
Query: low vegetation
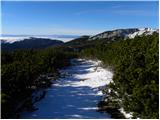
24, 71
135, 85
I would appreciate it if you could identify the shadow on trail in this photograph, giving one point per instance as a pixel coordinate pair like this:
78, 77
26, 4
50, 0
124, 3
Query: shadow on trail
67, 100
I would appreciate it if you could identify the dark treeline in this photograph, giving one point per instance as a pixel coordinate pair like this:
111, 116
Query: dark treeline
21, 69
135, 64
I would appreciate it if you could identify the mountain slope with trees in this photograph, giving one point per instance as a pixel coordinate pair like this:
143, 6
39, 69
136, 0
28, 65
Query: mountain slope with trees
25, 71
135, 85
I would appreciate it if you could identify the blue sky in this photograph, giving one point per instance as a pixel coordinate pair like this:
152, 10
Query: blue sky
78, 18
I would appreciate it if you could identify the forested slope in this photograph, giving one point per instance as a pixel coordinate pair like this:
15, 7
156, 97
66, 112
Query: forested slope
135, 85
24, 71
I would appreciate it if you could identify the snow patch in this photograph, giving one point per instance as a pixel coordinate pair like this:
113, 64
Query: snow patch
127, 115
75, 95
146, 31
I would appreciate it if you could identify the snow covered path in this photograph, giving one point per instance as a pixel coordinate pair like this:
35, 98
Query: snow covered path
76, 94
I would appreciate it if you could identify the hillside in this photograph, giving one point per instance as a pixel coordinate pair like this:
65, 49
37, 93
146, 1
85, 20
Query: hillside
109, 37
135, 85
31, 43
112, 35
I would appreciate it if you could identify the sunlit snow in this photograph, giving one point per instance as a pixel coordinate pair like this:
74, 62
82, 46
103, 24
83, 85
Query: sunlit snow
76, 95
147, 31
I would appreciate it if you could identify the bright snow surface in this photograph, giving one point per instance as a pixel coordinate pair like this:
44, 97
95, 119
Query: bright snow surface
76, 95
147, 31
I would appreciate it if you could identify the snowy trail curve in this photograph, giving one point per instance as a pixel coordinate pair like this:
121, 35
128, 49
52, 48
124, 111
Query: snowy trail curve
76, 94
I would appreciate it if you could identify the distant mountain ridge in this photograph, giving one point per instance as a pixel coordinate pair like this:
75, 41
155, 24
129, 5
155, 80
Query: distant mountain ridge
107, 37
114, 34
80, 42
123, 33
13, 38
31, 43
